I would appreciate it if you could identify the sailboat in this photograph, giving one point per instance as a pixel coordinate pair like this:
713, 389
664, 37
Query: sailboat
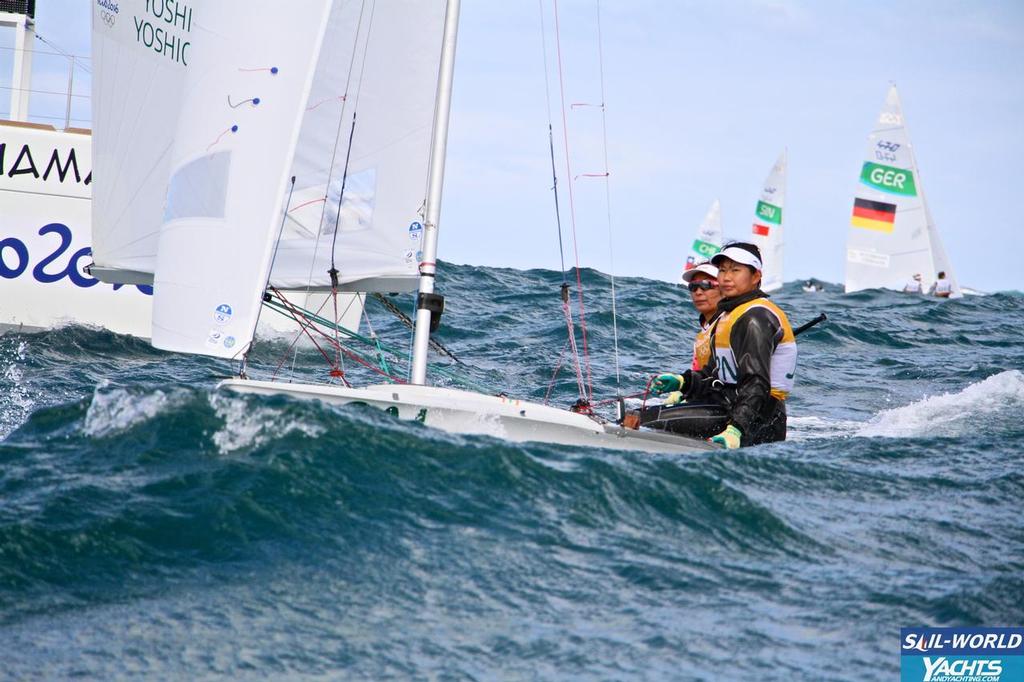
892, 236
299, 162
708, 241
767, 227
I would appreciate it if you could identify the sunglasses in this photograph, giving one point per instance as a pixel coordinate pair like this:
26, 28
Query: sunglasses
704, 285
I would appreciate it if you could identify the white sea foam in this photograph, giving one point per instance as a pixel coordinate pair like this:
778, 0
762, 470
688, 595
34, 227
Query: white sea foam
17, 401
246, 426
952, 414
806, 428
115, 409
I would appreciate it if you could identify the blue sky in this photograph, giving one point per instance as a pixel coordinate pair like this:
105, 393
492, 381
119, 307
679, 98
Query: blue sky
700, 99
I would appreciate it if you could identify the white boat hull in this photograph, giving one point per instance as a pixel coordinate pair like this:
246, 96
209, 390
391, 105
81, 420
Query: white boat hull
464, 412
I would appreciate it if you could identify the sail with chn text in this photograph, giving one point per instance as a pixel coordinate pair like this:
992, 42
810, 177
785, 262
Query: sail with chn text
708, 241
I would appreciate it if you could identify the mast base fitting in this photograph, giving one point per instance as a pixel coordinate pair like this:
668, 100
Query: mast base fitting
435, 304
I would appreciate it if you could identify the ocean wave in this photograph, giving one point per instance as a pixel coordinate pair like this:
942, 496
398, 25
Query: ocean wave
996, 400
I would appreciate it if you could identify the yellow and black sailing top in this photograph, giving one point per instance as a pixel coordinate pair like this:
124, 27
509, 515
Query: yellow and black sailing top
754, 355
702, 343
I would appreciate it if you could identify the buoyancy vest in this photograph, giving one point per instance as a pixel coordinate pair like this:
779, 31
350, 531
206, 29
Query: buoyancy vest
783, 359
702, 344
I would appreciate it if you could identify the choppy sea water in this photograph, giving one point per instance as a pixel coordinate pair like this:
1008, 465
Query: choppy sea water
152, 528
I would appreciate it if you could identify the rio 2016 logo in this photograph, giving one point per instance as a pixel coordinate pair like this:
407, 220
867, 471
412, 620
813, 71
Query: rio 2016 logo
15, 260
108, 12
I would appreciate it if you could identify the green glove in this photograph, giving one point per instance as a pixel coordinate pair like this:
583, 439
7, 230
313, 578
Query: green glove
730, 438
673, 398
666, 383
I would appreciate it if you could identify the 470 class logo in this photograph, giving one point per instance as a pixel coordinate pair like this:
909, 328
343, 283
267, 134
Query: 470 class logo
16, 259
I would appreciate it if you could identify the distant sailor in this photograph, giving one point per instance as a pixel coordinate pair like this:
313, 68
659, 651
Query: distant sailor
913, 286
942, 287
810, 286
702, 280
753, 355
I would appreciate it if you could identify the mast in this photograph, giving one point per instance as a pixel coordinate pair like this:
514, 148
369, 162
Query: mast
435, 185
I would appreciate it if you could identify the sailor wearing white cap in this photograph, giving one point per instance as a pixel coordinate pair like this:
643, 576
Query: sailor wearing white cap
913, 285
702, 281
753, 354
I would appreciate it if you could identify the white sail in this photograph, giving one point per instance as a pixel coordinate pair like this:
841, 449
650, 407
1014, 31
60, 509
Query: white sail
892, 236
141, 51
767, 227
380, 63
708, 241
251, 67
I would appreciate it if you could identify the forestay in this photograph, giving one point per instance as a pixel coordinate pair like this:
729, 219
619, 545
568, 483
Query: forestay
250, 71
709, 238
767, 227
892, 236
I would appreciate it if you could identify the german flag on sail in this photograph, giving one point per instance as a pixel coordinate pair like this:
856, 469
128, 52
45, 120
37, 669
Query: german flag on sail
873, 215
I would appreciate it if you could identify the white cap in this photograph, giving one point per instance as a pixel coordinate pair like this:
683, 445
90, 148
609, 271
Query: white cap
706, 267
738, 255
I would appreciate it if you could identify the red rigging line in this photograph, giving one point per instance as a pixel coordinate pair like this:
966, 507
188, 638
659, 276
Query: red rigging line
566, 308
572, 207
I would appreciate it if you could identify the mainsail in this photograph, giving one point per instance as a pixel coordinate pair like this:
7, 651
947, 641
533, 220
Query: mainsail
767, 228
709, 237
892, 236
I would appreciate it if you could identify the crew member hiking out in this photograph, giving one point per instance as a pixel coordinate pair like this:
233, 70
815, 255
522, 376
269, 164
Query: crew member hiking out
753, 355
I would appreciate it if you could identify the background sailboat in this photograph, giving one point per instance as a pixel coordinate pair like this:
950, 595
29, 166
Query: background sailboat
767, 228
892, 235
708, 241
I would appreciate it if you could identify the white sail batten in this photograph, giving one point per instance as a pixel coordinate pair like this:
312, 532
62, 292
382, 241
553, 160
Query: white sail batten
767, 231
251, 69
892, 236
141, 53
379, 64
709, 238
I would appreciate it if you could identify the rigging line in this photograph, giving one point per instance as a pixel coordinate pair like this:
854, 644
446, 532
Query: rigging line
558, 211
266, 284
344, 106
405, 320
334, 150
608, 198
333, 272
572, 205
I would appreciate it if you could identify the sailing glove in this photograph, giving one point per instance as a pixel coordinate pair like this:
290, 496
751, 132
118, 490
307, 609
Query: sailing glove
673, 398
666, 383
730, 438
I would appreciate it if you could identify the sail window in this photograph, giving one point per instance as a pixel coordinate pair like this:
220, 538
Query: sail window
199, 188
358, 205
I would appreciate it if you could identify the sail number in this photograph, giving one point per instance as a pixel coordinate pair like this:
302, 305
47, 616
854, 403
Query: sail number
888, 179
15, 260
769, 212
